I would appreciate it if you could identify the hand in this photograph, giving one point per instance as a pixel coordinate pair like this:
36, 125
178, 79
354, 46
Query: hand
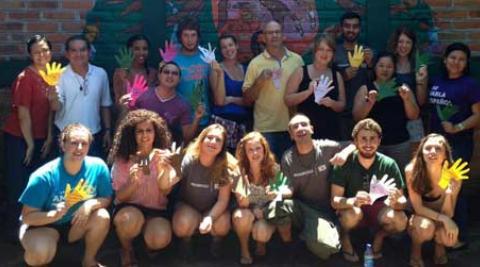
362, 198
136, 89
458, 171
450, 227
199, 112
421, 61
125, 99
266, 74
207, 55
327, 102
386, 89
338, 159
107, 140
133, 174
124, 58
216, 67
322, 88
54, 71
404, 92
206, 225
368, 56
421, 76
81, 216
446, 112
393, 196
448, 127
381, 188
28, 154
258, 213
169, 53
371, 97
271, 194
78, 194
357, 58
52, 94
59, 212
45, 150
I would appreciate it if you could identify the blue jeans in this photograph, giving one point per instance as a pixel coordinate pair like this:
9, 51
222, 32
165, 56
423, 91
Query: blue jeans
278, 142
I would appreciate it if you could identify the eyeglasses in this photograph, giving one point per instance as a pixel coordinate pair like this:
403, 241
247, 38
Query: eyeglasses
172, 72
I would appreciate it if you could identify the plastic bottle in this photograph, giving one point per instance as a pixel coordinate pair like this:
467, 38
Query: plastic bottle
368, 256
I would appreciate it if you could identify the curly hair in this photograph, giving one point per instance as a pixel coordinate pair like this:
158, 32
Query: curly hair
124, 143
269, 165
420, 180
69, 129
225, 164
393, 42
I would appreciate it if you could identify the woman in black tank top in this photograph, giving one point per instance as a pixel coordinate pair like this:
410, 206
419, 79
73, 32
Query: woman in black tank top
322, 113
433, 206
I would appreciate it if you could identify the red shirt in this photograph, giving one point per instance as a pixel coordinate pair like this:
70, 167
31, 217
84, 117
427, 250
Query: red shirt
29, 91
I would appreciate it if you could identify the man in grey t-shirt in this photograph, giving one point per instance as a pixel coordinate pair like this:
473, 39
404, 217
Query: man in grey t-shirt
307, 165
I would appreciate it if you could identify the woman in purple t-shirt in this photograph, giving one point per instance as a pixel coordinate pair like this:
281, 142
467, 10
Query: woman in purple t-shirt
142, 178
207, 171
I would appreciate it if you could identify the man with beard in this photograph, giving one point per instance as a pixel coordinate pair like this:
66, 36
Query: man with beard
354, 77
356, 206
194, 83
265, 84
307, 166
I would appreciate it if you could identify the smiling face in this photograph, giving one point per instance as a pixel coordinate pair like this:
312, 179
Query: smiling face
189, 40
169, 76
255, 151
324, 53
384, 69
351, 29
76, 145
140, 52
212, 144
367, 143
455, 63
145, 136
77, 53
434, 151
228, 48
404, 45
300, 129
40, 54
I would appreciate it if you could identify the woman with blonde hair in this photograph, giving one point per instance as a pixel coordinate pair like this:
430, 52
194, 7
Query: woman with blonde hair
258, 185
207, 170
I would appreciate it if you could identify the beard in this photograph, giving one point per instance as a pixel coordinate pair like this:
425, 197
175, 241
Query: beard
367, 155
350, 38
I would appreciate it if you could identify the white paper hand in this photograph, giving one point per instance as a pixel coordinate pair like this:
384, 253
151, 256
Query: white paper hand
277, 78
324, 85
281, 190
207, 55
381, 188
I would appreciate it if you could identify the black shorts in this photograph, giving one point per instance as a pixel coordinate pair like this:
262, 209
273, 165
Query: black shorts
62, 229
147, 212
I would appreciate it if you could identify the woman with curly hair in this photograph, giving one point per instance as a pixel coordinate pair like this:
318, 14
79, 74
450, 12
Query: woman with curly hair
142, 179
207, 170
433, 206
258, 185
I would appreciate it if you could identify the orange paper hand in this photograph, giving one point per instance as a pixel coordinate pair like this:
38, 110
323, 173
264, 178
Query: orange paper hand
79, 193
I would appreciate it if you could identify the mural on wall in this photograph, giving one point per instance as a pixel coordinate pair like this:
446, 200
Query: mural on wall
111, 22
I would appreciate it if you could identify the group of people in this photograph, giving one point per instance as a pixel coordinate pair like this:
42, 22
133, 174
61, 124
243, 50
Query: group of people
241, 138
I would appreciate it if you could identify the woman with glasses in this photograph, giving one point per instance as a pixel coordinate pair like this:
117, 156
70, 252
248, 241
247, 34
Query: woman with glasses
164, 100
27, 131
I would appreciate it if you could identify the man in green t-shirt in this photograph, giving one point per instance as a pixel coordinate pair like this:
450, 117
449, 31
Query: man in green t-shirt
362, 200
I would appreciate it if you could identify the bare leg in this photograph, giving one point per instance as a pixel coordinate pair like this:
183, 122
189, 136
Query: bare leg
40, 245
243, 223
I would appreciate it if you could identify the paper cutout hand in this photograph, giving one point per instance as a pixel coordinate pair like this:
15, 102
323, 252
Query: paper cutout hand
386, 89
169, 53
356, 59
380, 188
421, 60
207, 55
136, 89
457, 171
324, 85
124, 58
79, 193
446, 112
197, 95
54, 71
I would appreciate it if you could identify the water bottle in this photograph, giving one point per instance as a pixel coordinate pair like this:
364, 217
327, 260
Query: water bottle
368, 256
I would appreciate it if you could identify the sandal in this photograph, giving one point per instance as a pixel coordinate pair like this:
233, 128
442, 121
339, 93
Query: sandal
416, 262
246, 261
350, 256
441, 260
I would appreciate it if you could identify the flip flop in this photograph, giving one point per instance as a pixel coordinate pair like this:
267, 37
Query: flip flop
246, 261
350, 256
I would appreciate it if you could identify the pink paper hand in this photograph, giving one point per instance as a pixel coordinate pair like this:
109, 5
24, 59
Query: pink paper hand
169, 53
381, 188
139, 86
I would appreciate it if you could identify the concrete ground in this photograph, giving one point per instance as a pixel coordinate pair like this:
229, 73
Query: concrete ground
396, 254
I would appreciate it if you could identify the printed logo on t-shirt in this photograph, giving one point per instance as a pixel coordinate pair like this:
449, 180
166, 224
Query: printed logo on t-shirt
304, 173
321, 168
197, 185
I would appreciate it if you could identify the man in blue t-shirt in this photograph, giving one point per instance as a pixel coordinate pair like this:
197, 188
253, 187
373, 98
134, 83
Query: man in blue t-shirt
194, 83
66, 198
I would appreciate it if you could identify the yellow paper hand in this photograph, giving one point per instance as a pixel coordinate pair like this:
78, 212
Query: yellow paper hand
457, 171
356, 59
76, 195
53, 73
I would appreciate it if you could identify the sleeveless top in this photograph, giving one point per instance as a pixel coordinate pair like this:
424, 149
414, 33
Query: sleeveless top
325, 121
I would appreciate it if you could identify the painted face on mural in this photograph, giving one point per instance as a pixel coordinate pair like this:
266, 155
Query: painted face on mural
189, 40
351, 30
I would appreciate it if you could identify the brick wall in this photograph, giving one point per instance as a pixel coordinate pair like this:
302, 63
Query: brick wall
19, 19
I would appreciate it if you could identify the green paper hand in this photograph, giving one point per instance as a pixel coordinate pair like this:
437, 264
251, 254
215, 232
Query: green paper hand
421, 60
197, 95
124, 58
457, 171
386, 89
446, 112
